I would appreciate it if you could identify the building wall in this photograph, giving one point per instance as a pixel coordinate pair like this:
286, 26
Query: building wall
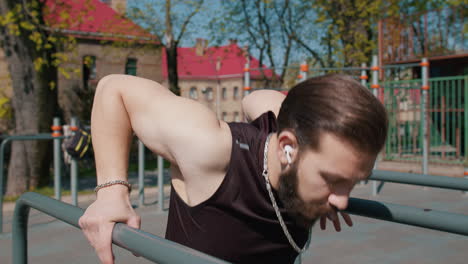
74, 100
109, 59
230, 108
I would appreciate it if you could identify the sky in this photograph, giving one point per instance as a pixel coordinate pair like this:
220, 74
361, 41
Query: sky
199, 25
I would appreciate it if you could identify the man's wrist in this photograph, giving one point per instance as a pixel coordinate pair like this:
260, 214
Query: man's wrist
112, 183
116, 190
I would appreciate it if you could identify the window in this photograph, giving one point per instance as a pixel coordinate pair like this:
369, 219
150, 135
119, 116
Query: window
193, 94
224, 93
236, 92
209, 93
131, 67
89, 70
236, 117
224, 116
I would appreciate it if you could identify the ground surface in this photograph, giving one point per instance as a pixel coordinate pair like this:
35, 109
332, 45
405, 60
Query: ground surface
368, 241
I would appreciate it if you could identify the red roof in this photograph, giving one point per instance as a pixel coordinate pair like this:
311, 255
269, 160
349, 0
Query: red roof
91, 19
230, 58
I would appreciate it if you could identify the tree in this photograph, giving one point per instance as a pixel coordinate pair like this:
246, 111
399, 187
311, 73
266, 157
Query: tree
171, 29
278, 31
350, 35
33, 51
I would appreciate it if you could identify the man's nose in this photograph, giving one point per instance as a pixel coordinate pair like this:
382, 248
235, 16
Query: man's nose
338, 201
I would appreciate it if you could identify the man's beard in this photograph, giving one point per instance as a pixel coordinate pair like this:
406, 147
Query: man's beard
304, 214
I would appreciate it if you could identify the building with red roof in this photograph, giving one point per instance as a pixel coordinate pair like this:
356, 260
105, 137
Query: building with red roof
214, 76
96, 26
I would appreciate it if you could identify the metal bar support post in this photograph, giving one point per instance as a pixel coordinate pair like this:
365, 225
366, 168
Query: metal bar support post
74, 167
424, 125
465, 172
247, 85
161, 183
57, 158
375, 91
304, 69
141, 173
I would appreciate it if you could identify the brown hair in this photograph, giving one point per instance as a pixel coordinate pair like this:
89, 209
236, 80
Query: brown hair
337, 104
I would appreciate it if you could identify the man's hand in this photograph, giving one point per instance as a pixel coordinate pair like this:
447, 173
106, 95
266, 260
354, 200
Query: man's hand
333, 216
111, 206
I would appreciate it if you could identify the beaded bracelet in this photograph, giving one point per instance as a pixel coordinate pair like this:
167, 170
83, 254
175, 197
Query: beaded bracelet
107, 184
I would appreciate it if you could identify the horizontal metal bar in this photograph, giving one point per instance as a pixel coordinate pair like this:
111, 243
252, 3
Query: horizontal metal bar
444, 182
339, 69
427, 218
406, 65
31, 137
144, 244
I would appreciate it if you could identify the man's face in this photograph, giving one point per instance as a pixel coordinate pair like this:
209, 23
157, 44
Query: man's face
320, 181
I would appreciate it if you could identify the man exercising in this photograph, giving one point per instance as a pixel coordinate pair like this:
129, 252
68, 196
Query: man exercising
242, 192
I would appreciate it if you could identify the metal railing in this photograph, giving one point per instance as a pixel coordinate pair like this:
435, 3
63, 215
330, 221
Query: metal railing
141, 243
57, 170
427, 218
443, 182
163, 251
446, 118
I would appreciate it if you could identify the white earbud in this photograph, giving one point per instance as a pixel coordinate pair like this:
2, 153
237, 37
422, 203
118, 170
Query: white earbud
287, 150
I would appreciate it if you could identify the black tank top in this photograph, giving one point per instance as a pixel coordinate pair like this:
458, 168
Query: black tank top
238, 223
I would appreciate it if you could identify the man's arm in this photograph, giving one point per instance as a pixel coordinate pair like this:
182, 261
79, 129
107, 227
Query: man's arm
262, 101
181, 130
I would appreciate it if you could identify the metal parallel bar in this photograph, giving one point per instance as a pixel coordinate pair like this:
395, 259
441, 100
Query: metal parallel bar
443, 182
5, 141
144, 244
427, 218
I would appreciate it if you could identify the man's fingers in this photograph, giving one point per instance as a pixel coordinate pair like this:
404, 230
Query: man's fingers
134, 221
323, 222
347, 218
104, 245
336, 221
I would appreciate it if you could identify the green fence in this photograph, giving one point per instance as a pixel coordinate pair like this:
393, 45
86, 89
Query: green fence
446, 119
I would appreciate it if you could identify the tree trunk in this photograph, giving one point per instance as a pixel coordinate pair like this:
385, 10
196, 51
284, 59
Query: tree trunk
34, 104
171, 55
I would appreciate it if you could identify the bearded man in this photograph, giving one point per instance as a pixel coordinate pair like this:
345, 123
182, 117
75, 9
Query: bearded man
242, 192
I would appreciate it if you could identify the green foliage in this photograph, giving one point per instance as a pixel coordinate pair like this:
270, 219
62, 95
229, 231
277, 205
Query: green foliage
351, 26
350, 34
5, 107
51, 47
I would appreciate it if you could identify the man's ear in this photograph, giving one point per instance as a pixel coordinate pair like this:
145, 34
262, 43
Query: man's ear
287, 147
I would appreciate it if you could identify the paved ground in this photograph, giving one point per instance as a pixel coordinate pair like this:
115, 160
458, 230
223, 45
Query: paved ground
369, 241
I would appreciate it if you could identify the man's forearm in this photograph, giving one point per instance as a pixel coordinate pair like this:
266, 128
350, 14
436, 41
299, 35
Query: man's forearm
111, 132
262, 101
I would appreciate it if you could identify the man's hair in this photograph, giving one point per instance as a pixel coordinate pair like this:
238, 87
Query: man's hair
337, 104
